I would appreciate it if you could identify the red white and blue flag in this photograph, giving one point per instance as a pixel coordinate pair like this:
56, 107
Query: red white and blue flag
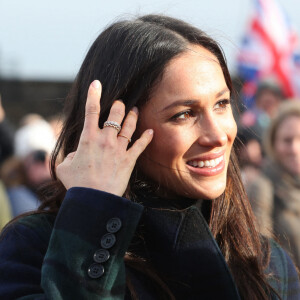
270, 49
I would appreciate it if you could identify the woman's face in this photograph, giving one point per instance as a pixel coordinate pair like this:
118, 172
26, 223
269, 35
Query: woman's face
287, 144
193, 125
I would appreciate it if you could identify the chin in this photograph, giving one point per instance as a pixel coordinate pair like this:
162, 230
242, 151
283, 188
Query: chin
205, 192
211, 195
211, 190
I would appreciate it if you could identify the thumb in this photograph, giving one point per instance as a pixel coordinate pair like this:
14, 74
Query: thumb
61, 168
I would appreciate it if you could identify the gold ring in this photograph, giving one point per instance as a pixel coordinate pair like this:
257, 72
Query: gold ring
124, 136
112, 124
92, 113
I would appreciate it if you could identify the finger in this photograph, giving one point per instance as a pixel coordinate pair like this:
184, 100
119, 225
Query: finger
128, 127
92, 107
140, 145
116, 115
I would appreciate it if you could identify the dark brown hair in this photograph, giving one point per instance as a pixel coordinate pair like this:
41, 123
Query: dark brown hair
129, 58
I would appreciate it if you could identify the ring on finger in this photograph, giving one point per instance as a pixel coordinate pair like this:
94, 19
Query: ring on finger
112, 124
126, 137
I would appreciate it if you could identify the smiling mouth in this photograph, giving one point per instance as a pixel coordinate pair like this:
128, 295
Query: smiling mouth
212, 163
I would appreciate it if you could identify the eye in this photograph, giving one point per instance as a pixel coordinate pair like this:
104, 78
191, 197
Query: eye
184, 115
223, 104
288, 140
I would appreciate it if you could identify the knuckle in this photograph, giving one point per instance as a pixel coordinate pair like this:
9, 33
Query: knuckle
108, 143
92, 107
118, 108
119, 112
85, 140
142, 144
127, 161
140, 147
131, 125
119, 104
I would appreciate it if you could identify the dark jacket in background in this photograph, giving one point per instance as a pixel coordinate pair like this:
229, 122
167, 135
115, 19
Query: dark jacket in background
6, 141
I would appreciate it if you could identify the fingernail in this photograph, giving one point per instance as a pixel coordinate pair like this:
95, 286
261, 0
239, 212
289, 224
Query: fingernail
96, 84
135, 109
150, 131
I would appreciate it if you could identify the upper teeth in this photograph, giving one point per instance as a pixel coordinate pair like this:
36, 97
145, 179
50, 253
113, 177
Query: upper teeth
206, 163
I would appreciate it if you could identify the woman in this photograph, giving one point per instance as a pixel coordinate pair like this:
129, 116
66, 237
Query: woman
161, 193
281, 178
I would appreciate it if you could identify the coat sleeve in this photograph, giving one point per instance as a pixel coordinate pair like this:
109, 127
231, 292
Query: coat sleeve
284, 276
89, 222
293, 289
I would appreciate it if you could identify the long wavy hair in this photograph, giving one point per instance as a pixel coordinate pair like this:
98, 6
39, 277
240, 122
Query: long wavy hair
129, 58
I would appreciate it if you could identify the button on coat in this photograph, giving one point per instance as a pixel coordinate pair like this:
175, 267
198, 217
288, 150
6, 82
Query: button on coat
95, 270
114, 225
108, 240
101, 256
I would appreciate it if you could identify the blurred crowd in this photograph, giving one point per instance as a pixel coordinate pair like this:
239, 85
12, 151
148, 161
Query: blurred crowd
269, 154
268, 149
24, 162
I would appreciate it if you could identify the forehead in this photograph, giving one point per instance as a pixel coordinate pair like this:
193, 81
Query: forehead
193, 75
193, 52
290, 125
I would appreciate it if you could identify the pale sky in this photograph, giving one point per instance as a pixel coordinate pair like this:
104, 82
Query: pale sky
47, 40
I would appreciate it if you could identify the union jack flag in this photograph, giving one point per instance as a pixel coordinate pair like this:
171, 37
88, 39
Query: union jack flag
270, 49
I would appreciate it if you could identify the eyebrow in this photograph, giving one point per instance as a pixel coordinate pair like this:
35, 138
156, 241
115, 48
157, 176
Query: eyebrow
191, 102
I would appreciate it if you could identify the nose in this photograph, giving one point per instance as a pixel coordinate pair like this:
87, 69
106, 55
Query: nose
211, 132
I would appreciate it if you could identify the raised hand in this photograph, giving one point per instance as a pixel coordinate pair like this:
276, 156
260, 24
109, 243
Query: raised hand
102, 160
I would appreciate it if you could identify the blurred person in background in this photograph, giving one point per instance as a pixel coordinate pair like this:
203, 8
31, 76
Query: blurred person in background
250, 155
5, 209
29, 168
275, 193
6, 150
267, 99
56, 122
6, 136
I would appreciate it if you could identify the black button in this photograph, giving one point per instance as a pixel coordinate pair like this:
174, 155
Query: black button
95, 270
108, 240
101, 256
113, 225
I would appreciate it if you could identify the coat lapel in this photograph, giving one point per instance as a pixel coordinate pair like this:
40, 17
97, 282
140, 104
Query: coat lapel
180, 245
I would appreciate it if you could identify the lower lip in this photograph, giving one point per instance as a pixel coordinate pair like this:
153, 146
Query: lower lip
208, 171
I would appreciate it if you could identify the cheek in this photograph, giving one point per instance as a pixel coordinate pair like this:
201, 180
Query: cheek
279, 149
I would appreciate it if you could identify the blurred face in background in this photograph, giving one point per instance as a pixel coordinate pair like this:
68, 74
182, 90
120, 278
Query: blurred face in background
287, 144
268, 102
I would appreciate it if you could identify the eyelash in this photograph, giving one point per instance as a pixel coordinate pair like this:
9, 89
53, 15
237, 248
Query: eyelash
189, 113
225, 103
